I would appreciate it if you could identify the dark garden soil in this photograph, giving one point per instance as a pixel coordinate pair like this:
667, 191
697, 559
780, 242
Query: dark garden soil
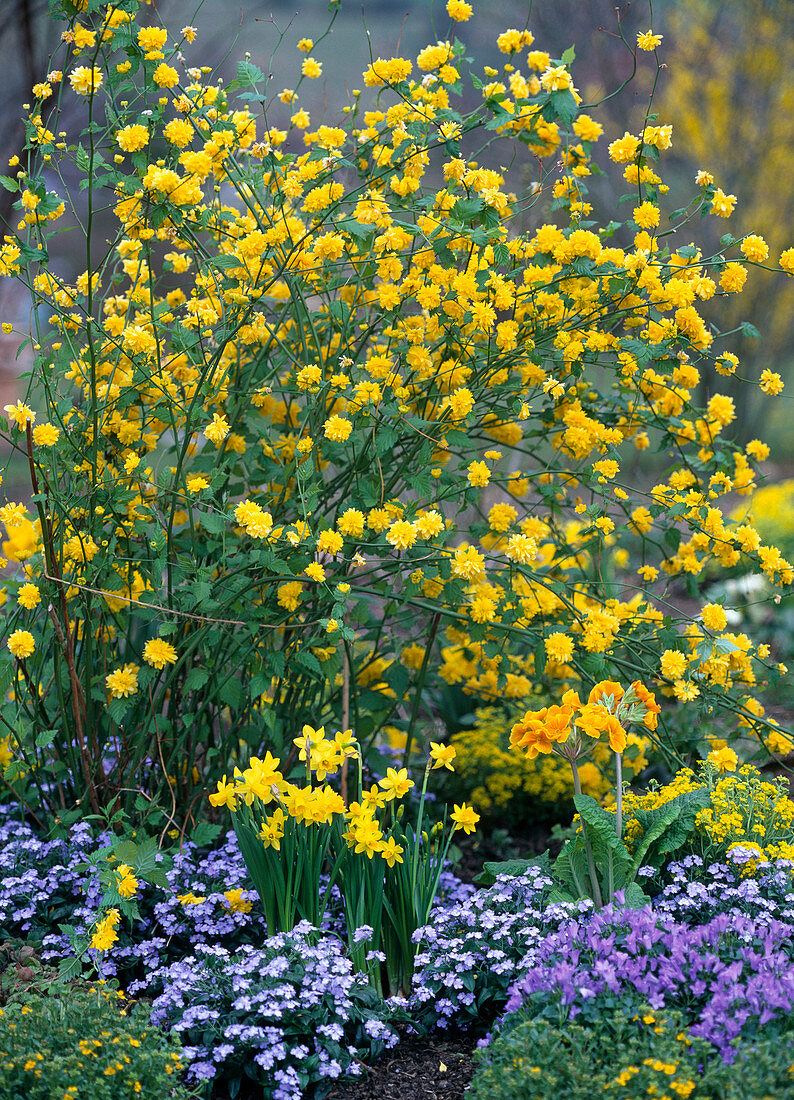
435, 1068
479, 849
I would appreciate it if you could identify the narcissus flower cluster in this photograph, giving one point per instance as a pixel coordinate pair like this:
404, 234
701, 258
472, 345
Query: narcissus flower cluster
364, 831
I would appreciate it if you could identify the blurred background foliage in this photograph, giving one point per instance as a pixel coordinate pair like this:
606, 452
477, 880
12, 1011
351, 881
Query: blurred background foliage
730, 97
727, 88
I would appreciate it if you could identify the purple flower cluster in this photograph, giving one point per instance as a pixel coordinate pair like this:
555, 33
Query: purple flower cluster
292, 1010
695, 892
168, 926
728, 976
714, 944
43, 882
471, 951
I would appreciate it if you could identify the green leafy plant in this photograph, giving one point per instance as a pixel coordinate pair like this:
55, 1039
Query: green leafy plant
86, 1042
639, 1054
721, 806
120, 867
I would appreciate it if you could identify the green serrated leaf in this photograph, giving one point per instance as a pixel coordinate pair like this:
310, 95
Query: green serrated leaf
223, 263
196, 678
672, 537
465, 209
205, 833
212, 522
512, 867
14, 770
307, 660
231, 693
117, 709
564, 105
69, 968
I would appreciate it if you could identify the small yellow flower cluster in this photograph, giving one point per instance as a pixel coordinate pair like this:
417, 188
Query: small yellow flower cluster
126, 882
105, 932
744, 810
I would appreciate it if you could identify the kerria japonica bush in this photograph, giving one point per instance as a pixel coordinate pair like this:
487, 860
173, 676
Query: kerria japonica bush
340, 413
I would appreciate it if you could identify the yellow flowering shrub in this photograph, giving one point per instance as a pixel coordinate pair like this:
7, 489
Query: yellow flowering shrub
732, 807
730, 115
337, 414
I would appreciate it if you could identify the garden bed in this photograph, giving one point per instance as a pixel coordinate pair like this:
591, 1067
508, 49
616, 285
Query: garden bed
708, 943
391, 685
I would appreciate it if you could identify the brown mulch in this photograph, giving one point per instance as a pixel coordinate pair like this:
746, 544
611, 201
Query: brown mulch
438, 1067
477, 850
